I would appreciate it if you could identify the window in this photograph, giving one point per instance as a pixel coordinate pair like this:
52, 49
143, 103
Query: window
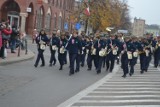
60, 3
48, 22
39, 19
53, 2
55, 21
60, 21
64, 4
57, 3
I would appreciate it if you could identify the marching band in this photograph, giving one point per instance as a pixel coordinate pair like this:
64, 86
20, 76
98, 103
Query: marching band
103, 51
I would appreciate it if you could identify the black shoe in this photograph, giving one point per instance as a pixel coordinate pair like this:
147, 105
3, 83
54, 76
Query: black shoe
107, 69
142, 72
50, 64
35, 66
76, 70
110, 71
54, 63
61, 68
145, 70
42, 65
71, 74
82, 65
89, 69
13, 52
130, 74
98, 72
124, 76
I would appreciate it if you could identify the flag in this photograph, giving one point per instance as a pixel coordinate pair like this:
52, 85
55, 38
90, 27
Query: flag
87, 12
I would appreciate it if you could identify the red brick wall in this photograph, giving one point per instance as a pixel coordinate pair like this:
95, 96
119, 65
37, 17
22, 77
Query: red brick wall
30, 24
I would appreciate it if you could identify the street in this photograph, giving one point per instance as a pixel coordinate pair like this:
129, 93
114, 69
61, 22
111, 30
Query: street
23, 85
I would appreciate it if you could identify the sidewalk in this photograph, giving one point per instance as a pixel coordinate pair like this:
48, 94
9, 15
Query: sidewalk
13, 57
140, 90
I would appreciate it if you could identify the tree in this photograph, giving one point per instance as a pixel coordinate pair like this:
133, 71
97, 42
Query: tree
105, 13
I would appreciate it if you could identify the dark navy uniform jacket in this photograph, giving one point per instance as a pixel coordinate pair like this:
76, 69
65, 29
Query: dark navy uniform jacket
99, 44
43, 38
130, 46
62, 43
83, 44
74, 45
89, 46
54, 41
113, 43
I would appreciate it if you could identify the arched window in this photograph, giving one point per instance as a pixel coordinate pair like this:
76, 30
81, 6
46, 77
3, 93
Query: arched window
60, 21
60, 3
39, 19
55, 21
48, 20
57, 3
64, 4
53, 2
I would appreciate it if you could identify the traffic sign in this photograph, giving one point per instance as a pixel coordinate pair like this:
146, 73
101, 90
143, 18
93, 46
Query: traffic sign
77, 26
66, 26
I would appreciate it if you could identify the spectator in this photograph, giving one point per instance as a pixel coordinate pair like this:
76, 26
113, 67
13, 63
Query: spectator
34, 35
13, 38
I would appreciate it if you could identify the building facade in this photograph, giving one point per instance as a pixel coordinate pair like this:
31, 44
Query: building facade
138, 28
152, 29
37, 14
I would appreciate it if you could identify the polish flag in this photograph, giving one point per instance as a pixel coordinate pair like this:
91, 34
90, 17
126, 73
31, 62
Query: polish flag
87, 12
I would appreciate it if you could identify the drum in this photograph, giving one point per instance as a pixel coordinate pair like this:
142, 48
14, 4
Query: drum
129, 54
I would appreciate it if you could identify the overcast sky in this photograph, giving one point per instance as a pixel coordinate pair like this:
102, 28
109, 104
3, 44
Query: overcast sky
145, 9
148, 10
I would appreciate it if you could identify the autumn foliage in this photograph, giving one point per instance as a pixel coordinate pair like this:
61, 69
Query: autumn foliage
104, 13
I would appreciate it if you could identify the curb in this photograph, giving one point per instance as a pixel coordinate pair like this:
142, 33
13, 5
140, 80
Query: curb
29, 56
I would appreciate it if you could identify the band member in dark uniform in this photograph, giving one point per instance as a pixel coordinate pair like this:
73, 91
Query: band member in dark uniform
112, 48
62, 51
145, 53
131, 48
73, 46
54, 42
101, 52
157, 54
124, 58
83, 54
88, 47
41, 40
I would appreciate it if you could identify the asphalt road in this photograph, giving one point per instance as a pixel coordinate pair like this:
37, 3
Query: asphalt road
22, 85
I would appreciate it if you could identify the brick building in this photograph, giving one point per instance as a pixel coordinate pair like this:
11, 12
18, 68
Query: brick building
37, 14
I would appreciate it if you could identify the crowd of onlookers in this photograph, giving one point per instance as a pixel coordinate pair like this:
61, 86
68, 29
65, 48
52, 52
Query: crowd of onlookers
10, 38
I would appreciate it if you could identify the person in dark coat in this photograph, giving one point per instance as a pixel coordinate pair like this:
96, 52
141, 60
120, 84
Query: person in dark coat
62, 51
41, 40
74, 47
54, 42
13, 38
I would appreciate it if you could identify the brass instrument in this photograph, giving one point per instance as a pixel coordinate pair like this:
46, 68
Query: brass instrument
140, 52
